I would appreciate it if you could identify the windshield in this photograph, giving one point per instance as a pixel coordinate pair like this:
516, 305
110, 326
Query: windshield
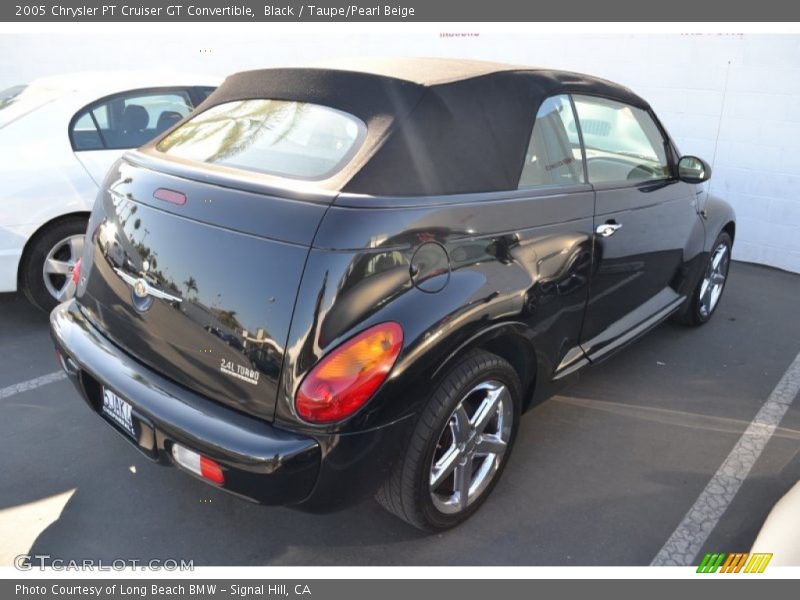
19, 100
278, 137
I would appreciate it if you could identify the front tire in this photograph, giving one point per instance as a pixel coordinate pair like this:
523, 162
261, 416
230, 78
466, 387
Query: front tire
46, 267
707, 294
459, 447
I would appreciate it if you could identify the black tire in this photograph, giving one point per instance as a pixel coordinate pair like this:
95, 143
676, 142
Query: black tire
31, 277
694, 313
406, 492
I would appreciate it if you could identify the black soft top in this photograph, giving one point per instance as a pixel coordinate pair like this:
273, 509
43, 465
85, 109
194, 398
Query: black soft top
434, 126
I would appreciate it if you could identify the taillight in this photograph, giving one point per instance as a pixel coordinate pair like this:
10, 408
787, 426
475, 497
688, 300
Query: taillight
345, 379
76, 272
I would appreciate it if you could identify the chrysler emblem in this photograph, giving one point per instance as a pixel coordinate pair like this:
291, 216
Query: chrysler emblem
140, 288
142, 293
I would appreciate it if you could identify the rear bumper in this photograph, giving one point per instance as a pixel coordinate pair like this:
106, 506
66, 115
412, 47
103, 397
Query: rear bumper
260, 462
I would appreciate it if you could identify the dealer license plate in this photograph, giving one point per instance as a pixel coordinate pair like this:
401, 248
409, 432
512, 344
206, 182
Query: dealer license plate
118, 411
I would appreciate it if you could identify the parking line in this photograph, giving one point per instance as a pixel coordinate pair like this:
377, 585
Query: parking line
31, 384
685, 543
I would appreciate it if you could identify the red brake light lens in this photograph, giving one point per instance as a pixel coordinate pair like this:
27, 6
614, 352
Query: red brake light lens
345, 379
170, 196
76, 272
211, 470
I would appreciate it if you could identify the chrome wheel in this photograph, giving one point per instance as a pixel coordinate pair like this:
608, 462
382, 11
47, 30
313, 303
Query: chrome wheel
58, 266
714, 280
471, 446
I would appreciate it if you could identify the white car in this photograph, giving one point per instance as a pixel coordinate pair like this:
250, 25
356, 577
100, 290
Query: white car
58, 137
780, 535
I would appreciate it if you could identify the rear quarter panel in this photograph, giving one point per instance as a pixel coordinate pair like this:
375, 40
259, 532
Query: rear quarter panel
517, 260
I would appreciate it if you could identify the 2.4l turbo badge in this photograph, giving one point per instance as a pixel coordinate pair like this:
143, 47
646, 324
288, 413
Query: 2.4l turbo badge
228, 367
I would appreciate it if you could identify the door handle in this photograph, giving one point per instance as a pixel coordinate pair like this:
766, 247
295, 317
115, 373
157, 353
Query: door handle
607, 229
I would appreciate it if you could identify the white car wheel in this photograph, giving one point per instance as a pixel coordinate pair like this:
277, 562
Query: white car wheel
49, 260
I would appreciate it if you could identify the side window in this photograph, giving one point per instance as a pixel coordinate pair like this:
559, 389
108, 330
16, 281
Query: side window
554, 155
128, 120
204, 92
162, 110
85, 135
622, 142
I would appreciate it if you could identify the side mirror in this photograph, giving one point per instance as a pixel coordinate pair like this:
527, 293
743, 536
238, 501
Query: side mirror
693, 170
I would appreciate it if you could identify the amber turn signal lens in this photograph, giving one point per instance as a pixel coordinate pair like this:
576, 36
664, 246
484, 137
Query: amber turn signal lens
345, 379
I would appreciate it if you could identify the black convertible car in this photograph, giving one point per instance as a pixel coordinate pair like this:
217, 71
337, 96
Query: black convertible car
327, 283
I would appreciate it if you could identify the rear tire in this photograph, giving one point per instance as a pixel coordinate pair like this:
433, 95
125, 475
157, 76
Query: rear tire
461, 442
62, 243
706, 296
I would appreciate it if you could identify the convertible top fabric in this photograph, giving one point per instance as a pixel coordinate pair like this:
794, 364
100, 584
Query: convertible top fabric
434, 126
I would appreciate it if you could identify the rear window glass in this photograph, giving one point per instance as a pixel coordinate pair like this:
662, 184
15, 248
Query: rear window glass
278, 137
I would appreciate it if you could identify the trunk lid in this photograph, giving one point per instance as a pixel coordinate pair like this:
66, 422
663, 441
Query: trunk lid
198, 281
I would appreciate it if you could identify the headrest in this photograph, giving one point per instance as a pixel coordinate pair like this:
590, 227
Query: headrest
135, 118
167, 119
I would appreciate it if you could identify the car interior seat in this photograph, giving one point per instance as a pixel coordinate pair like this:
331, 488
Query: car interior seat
550, 158
167, 119
134, 125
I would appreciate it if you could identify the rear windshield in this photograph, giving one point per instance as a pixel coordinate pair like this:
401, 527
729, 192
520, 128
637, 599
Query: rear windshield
19, 100
278, 137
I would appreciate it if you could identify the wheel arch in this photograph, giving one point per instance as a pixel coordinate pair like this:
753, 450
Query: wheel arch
29, 244
730, 229
720, 217
509, 341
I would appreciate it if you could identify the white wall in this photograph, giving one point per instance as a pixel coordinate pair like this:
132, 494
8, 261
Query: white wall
732, 99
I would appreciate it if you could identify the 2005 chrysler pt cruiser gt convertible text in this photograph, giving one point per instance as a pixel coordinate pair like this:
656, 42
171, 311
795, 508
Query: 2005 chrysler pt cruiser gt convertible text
326, 283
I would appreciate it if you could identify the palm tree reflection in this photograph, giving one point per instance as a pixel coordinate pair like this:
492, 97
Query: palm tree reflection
229, 129
191, 286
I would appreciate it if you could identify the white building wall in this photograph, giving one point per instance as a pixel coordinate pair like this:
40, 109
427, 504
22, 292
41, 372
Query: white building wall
731, 99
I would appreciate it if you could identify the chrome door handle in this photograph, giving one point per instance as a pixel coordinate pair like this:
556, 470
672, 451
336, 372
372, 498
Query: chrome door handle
607, 229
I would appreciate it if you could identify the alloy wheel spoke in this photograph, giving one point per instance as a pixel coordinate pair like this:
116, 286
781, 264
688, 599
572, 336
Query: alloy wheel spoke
460, 425
76, 247
66, 292
712, 301
718, 258
487, 408
57, 267
704, 288
463, 477
705, 297
490, 444
444, 466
